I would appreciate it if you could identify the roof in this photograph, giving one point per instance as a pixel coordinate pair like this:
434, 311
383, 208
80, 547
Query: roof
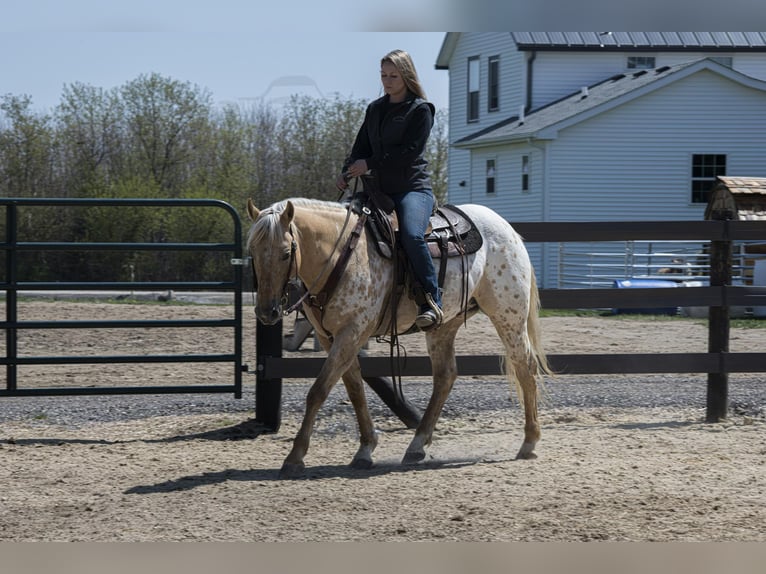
746, 197
621, 42
641, 41
544, 122
744, 185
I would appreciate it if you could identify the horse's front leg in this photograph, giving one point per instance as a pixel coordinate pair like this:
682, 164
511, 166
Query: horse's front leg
441, 349
368, 440
339, 359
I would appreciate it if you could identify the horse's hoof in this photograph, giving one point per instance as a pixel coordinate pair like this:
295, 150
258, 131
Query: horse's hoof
292, 470
526, 456
413, 457
361, 464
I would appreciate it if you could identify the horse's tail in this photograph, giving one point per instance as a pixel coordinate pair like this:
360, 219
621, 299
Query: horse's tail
538, 360
534, 332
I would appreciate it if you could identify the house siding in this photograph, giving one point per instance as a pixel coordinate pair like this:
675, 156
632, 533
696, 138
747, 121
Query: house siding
512, 91
559, 74
630, 162
634, 162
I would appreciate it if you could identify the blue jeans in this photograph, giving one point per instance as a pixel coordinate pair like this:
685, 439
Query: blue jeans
413, 208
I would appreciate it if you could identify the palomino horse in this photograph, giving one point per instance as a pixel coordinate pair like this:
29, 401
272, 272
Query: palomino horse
300, 238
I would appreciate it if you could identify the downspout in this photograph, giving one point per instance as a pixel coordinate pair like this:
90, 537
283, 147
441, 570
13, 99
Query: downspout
543, 276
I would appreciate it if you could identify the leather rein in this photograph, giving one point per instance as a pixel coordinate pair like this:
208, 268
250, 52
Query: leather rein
319, 300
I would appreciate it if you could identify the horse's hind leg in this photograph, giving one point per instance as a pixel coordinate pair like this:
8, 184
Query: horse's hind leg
352, 379
520, 368
526, 376
441, 349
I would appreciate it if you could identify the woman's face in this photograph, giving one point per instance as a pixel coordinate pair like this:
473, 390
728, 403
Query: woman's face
392, 81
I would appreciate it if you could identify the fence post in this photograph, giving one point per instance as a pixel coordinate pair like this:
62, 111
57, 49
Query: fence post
268, 392
11, 296
718, 322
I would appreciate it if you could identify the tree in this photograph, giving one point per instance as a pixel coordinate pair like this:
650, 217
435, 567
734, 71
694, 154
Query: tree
164, 118
26, 150
436, 154
90, 136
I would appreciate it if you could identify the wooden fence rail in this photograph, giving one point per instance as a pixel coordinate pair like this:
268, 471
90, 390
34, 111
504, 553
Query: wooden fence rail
718, 362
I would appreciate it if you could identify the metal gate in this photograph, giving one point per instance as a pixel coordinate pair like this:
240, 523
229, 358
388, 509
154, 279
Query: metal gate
13, 249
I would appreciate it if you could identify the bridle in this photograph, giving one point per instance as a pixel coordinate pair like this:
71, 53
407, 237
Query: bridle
285, 297
320, 299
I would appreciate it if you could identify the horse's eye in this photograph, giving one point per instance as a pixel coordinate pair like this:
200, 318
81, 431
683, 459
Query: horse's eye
285, 256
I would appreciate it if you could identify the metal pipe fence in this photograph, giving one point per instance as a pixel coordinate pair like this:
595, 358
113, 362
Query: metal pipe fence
13, 250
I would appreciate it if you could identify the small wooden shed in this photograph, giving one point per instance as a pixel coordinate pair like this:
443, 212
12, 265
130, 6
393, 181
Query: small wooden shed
741, 198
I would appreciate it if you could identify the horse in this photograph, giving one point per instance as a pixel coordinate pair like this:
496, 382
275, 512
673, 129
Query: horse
299, 238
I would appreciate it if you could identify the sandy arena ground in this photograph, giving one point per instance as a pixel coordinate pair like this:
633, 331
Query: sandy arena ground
644, 469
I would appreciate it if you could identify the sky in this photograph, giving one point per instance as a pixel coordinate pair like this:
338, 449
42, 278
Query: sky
245, 50
242, 51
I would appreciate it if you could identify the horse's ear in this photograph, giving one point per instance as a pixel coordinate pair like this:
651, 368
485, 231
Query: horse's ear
252, 211
287, 214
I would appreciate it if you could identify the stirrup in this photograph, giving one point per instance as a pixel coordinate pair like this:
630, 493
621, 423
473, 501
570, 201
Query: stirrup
432, 317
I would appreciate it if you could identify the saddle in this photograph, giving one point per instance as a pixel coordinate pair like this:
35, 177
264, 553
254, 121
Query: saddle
450, 233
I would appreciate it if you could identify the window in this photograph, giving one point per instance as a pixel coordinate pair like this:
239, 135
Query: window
525, 173
640, 62
705, 168
490, 176
473, 89
493, 91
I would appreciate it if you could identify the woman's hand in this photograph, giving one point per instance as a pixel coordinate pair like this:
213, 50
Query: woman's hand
342, 182
359, 167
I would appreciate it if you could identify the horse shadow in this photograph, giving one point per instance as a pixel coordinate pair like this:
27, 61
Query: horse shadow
246, 430
321, 472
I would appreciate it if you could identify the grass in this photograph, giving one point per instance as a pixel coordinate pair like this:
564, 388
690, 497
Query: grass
737, 323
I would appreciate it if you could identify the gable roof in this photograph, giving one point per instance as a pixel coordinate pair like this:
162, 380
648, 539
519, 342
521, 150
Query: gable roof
445, 52
641, 41
545, 122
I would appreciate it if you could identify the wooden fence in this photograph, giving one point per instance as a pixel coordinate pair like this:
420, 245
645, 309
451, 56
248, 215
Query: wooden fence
717, 362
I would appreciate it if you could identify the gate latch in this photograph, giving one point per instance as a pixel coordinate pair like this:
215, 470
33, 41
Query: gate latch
240, 261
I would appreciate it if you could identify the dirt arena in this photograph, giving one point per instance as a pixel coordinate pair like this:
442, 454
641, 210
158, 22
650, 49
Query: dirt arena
621, 458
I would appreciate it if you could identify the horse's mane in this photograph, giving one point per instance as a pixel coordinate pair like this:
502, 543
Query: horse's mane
267, 224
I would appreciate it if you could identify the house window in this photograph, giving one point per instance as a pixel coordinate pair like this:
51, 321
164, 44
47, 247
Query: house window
705, 169
525, 173
490, 176
473, 89
493, 92
640, 62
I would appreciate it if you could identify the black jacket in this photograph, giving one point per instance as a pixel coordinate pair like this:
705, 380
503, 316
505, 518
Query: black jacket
392, 139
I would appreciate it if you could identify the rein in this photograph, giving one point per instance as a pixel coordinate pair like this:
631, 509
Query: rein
320, 299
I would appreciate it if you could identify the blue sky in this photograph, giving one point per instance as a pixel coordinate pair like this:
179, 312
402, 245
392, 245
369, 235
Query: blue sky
239, 50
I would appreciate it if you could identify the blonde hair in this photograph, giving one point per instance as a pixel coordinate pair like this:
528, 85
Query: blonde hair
402, 61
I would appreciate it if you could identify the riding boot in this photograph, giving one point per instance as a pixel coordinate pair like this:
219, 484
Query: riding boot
430, 314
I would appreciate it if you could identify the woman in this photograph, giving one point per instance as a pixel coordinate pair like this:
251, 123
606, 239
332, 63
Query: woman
391, 142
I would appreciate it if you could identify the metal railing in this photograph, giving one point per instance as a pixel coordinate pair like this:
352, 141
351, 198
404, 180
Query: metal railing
12, 285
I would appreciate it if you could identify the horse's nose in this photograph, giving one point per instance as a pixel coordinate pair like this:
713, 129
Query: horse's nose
268, 314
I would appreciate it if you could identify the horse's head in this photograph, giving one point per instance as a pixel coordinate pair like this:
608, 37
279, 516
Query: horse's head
273, 250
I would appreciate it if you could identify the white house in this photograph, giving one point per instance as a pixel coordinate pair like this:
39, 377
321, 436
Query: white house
611, 126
